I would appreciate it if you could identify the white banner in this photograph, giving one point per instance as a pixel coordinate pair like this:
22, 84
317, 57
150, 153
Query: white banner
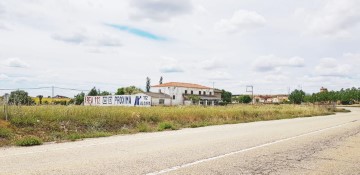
141, 100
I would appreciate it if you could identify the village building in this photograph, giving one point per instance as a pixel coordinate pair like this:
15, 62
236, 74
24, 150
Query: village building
270, 99
159, 99
184, 94
322, 89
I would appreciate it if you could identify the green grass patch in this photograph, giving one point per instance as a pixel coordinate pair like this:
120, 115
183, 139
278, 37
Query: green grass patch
166, 126
29, 141
74, 137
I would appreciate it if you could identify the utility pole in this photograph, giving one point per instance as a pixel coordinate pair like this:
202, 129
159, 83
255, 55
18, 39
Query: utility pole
52, 88
250, 88
6, 100
288, 90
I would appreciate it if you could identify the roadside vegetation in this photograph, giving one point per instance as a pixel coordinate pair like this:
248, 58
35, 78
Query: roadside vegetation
32, 125
348, 96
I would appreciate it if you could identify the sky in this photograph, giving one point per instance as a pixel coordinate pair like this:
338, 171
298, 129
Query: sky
275, 46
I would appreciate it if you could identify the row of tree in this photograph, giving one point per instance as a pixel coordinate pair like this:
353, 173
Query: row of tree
344, 96
20, 97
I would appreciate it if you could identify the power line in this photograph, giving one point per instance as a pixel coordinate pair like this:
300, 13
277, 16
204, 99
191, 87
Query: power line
26, 88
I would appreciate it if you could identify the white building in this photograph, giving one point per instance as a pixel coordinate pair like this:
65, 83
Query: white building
186, 93
159, 99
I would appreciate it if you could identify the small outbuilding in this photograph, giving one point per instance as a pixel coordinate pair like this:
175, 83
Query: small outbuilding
159, 99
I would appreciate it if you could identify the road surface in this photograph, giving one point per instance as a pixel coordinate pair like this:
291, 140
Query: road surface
315, 145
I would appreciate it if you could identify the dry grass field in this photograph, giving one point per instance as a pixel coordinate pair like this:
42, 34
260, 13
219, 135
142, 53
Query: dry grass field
63, 123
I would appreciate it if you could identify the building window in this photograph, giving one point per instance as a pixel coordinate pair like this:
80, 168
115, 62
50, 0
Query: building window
192, 92
199, 92
161, 101
159, 90
173, 97
210, 93
204, 93
185, 91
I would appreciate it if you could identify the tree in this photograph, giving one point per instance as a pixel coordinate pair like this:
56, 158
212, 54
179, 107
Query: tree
93, 92
148, 86
297, 96
128, 90
161, 80
245, 99
309, 98
105, 93
194, 98
79, 98
226, 96
120, 91
20, 97
40, 98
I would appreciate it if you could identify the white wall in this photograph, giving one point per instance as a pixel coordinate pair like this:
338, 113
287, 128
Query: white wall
155, 101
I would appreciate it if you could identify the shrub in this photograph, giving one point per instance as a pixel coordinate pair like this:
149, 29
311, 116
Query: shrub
74, 137
5, 133
23, 121
165, 126
29, 141
143, 127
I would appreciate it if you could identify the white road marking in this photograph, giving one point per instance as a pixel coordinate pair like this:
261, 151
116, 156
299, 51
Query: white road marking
243, 150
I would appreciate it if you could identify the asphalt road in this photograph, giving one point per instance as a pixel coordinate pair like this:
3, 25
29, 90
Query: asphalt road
315, 145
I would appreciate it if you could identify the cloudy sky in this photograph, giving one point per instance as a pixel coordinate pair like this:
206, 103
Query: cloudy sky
231, 43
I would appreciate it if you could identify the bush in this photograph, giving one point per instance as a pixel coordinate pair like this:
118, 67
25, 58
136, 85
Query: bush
143, 127
74, 137
23, 121
29, 141
165, 125
5, 133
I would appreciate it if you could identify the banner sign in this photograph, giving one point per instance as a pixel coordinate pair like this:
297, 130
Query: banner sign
141, 100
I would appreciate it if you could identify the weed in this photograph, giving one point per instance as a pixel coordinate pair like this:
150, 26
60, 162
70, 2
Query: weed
29, 141
143, 127
5, 133
74, 136
166, 125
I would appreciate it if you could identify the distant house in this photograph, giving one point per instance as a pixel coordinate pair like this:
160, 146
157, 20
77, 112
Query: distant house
59, 96
322, 89
269, 99
187, 93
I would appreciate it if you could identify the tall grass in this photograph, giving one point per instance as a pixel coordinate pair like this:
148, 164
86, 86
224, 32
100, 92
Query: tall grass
57, 123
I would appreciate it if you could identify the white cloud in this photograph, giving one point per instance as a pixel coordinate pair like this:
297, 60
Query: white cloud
220, 75
276, 78
242, 20
335, 19
160, 10
212, 64
332, 67
273, 63
170, 65
3, 77
76, 38
16, 62
90, 40
3, 26
2, 9
353, 58
65, 34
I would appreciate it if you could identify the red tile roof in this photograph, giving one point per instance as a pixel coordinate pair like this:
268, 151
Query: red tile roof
178, 84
